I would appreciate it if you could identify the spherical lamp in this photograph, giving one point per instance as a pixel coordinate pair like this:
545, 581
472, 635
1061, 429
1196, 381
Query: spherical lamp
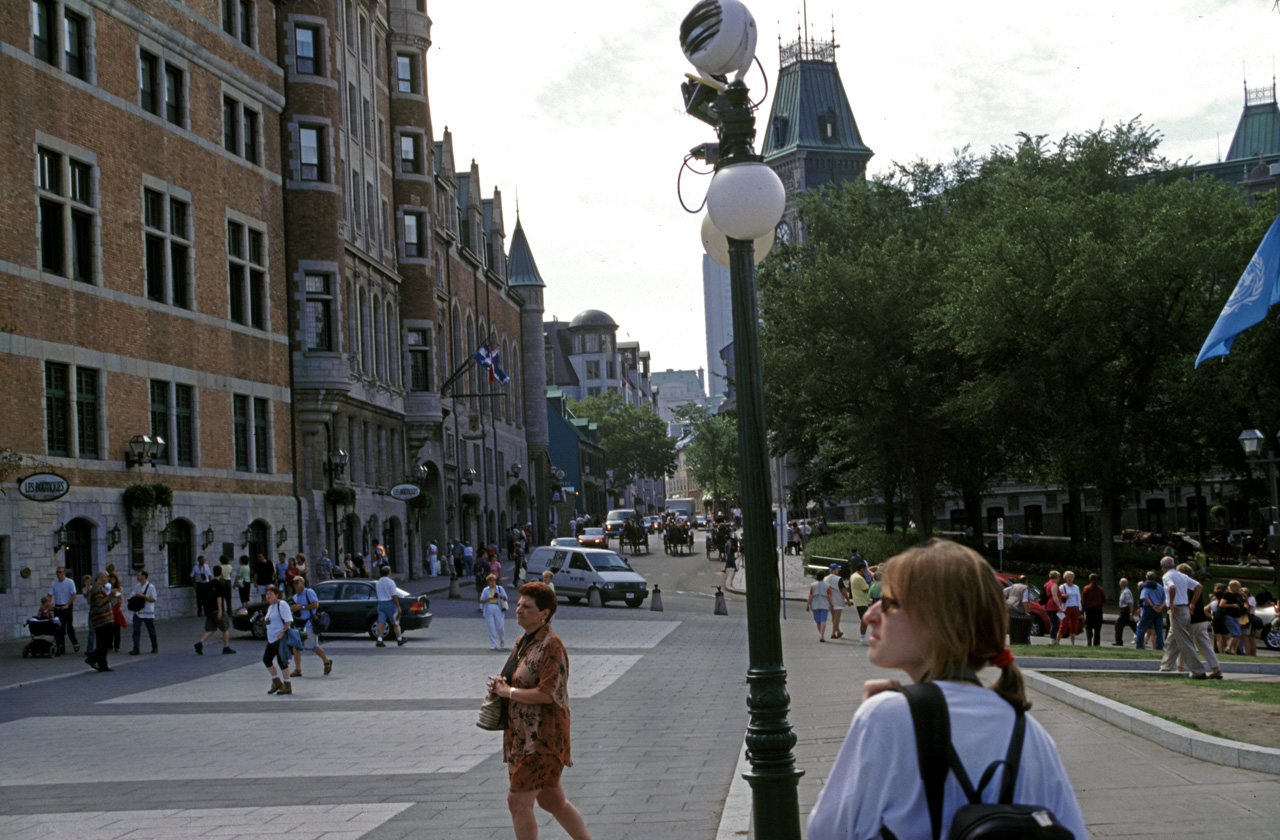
717, 246
719, 37
746, 200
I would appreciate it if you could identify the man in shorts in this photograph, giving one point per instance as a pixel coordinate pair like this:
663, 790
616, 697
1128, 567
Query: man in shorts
264, 575
217, 612
388, 607
821, 597
860, 597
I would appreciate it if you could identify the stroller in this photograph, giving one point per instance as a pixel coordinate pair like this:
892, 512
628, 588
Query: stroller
46, 638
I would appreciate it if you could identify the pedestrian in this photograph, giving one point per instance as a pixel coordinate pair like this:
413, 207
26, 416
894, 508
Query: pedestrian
839, 598
1052, 604
819, 602
217, 612
244, 579
1249, 623
859, 595
1091, 599
547, 577
468, 557
1152, 599
324, 567
536, 744
301, 567
304, 608
118, 621
63, 592
279, 618
1182, 590
228, 574
433, 559
100, 616
1199, 627
201, 574
348, 566
480, 574
458, 553
520, 575
359, 568
493, 603
1125, 619
286, 571
877, 586
1017, 596
86, 585
875, 782
145, 613
495, 565
1069, 596
388, 606
264, 575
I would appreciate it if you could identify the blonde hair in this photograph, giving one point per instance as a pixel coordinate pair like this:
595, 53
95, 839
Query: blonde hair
953, 599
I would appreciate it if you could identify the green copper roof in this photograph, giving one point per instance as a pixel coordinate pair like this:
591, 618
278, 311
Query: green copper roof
521, 269
1258, 132
810, 110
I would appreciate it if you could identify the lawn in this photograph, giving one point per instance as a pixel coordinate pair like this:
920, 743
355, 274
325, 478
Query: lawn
1082, 652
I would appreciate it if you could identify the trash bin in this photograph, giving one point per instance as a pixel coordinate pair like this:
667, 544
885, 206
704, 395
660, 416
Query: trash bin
1019, 629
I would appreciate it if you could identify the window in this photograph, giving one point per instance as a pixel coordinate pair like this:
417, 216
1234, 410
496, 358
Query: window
355, 200
593, 342
87, 412
239, 129
148, 82
593, 370
593, 392
167, 248
419, 360
240, 422
364, 40
306, 60
371, 213
173, 107
184, 424
160, 416
611, 370
411, 153
449, 453
238, 17
246, 275
413, 234
319, 313
56, 409
231, 125
72, 53
251, 136
66, 216
386, 230
382, 140
406, 78
311, 144
180, 546
353, 113
368, 126
577, 343
261, 436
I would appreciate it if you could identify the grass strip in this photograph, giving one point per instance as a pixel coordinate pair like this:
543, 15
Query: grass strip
1084, 652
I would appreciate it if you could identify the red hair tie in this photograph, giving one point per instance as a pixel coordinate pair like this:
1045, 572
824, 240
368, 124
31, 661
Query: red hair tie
1003, 659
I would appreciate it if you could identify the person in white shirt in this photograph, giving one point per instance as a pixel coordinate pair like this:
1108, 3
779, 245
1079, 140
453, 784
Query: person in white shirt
875, 781
821, 597
1182, 591
278, 619
1125, 619
433, 559
1069, 595
147, 615
388, 606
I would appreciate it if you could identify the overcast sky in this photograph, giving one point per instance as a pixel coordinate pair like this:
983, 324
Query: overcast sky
575, 106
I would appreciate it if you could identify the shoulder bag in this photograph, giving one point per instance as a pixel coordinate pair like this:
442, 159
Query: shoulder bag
495, 710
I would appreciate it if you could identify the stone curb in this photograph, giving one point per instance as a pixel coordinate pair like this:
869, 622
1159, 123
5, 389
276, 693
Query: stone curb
1048, 663
1158, 730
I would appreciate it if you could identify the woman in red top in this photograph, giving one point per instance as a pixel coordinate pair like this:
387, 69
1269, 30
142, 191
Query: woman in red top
1092, 599
535, 745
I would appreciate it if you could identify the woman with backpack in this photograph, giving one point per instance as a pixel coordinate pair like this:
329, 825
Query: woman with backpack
941, 618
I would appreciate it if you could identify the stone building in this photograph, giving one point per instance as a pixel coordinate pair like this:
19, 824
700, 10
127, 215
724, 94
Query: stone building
142, 269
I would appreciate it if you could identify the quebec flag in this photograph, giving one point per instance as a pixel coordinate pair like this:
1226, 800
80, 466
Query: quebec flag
483, 357
1257, 291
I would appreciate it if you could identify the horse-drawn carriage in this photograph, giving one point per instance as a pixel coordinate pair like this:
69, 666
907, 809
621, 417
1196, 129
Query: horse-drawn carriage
634, 535
677, 538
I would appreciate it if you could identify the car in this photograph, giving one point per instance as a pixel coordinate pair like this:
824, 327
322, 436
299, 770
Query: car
577, 571
352, 605
615, 519
565, 542
1269, 632
1039, 615
701, 521
593, 538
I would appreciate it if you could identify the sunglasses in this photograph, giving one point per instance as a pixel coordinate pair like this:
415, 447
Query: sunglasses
889, 605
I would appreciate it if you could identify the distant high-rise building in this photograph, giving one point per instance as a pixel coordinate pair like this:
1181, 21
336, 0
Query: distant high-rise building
718, 307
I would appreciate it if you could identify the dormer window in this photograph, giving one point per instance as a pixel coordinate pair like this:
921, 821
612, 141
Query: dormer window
779, 130
593, 343
827, 125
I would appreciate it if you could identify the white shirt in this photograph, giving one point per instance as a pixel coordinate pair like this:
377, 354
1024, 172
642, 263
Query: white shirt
1183, 587
1070, 595
149, 610
62, 591
1126, 597
386, 588
278, 615
875, 780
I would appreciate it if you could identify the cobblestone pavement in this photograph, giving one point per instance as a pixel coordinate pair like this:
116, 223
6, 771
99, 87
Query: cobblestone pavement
182, 746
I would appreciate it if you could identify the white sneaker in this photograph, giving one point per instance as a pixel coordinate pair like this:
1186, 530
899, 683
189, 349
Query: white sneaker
864, 641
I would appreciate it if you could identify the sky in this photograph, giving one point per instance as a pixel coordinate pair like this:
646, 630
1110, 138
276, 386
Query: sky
573, 107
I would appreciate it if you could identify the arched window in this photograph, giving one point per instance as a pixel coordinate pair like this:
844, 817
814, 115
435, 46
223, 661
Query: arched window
180, 543
78, 551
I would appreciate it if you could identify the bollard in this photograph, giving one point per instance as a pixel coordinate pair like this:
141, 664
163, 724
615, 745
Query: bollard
593, 597
454, 591
721, 607
655, 599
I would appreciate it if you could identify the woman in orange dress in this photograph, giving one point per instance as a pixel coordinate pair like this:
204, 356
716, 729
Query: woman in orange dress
535, 745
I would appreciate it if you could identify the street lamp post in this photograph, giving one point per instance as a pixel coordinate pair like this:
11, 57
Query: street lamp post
1251, 443
745, 203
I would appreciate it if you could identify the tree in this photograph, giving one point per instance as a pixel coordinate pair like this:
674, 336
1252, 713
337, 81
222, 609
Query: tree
633, 437
712, 455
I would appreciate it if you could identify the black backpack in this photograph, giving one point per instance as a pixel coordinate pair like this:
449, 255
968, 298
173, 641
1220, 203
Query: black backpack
937, 757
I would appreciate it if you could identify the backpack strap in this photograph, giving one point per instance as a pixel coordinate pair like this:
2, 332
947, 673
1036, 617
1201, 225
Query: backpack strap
932, 725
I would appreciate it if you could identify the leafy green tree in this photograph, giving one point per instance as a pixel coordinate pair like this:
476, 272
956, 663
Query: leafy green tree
634, 438
712, 455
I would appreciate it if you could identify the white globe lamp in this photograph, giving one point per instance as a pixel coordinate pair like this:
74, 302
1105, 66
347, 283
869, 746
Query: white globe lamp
746, 200
717, 246
719, 37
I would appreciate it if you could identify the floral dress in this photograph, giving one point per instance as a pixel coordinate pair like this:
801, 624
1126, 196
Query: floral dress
541, 728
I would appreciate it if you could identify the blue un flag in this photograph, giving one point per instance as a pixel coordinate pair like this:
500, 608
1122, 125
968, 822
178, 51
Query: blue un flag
1257, 291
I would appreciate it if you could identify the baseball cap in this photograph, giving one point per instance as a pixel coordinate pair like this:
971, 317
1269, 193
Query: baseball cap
835, 567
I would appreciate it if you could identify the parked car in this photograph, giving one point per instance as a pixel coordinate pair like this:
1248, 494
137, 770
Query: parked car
352, 606
1039, 616
576, 571
593, 538
1269, 632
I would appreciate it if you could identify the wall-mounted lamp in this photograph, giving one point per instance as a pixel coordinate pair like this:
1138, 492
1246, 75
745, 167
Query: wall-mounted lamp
166, 534
468, 477
514, 472
245, 536
143, 449
419, 475
113, 537
335, 464
208, 538
59, 538
282, 537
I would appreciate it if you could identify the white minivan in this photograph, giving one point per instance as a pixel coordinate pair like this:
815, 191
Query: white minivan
576, 570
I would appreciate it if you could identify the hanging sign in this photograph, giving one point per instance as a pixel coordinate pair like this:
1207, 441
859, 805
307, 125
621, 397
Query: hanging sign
405, 492
44, 487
